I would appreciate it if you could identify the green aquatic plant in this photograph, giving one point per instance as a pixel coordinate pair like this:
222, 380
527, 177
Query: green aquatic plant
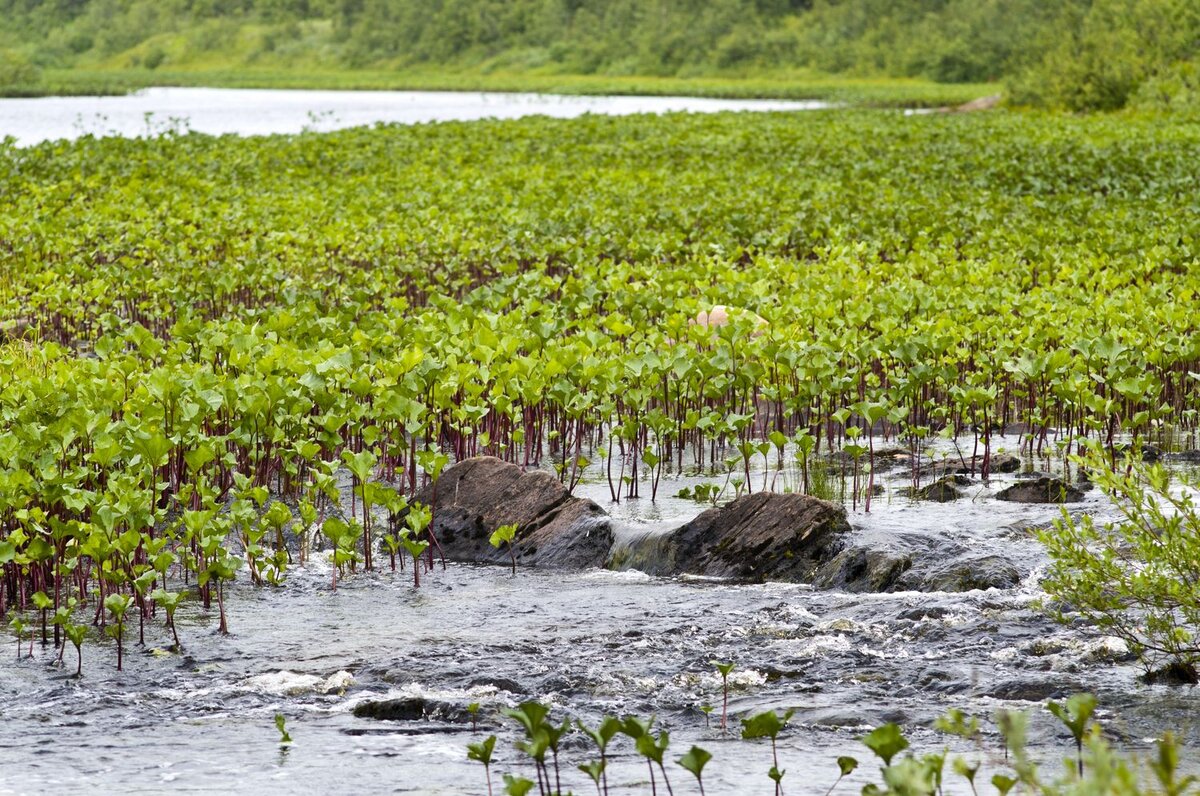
724, 669
505, 534
482, 752
118, 605
768, 725
1075, 715
693, 761
517, 786
418, 520
847, 765
76, 634
602, 735
281, 725
595, 771
169, 602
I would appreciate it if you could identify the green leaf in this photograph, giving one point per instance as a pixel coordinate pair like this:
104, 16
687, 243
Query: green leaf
886, 742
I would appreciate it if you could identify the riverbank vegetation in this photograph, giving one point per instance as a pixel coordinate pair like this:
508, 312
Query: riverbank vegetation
205, 334
1097, 768
1075, 54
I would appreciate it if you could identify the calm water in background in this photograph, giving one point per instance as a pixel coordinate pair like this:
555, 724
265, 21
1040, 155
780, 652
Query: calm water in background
266, 111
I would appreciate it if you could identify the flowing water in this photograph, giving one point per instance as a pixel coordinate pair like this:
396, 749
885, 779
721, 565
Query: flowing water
216, 111
588, 643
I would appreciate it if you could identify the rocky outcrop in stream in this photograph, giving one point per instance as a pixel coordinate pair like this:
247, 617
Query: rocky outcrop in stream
1045, 489
763, 536
554, 529
757, 537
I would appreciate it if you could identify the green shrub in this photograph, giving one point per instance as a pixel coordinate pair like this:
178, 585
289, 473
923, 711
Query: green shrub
1135, 578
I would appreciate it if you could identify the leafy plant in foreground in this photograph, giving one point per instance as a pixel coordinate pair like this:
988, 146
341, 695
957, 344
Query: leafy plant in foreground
768, 725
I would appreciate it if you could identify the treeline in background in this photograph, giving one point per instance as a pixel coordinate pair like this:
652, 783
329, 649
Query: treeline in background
1074, 54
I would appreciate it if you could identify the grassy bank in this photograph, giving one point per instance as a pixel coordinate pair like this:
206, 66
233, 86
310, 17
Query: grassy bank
877, 92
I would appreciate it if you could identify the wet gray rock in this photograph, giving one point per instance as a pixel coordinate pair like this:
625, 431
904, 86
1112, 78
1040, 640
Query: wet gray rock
997, 463
862, 569
477, 496
943, 490
1045, 489
1031, 690
1175, 673
412, 709
966, 574
1191, 457
763, 536
915, 562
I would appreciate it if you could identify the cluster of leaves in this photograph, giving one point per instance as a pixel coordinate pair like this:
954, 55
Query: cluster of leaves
1135, 578
199, 345
1097, 769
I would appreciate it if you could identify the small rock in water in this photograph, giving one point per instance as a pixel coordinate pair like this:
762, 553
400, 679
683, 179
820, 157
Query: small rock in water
337, 682
1046, 489
1174, 673
1031, 690
978, 573
763, 536
554, 529
942, 490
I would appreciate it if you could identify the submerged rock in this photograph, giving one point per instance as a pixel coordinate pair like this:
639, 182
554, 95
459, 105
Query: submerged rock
860, 569
997, 463
1031, 690
942, 490
412, 709
967, 574
477, 496
764, 536
1174, 673
1044, 489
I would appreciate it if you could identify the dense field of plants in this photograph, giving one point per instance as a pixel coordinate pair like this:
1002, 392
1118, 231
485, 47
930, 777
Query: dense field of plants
202, 332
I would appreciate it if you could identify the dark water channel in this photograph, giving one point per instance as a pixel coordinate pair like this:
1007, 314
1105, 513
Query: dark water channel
587, 643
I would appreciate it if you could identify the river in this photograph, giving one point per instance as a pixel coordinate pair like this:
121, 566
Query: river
216, 111
588, 643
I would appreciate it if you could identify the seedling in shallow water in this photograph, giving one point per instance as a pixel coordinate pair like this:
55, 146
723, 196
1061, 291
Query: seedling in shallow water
517, 786
694, 760
768, 725
482, 752
281, 725
505, 534
531, 716
473, 711
595, 771
419, 518
1075, 716
724, 669
117, 605
603, 734
43, 603
75, 634
18, 627
170, 602
886, 742
846, 765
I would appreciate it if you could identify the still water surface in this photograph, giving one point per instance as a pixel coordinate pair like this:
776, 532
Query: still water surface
267, 111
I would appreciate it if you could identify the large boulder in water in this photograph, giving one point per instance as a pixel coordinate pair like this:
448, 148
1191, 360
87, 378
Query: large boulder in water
1046, 489
764, 536
477, 496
